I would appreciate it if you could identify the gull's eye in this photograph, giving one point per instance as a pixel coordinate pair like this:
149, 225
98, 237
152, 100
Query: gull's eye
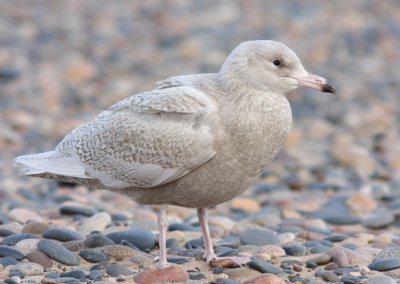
277, 62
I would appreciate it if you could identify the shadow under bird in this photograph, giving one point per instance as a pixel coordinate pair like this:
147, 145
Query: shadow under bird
195, 141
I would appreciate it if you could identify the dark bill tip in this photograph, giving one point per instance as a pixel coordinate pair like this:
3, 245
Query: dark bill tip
328, 89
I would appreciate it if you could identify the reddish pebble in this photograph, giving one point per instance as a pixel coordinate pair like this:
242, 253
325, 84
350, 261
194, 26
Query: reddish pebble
40, 258
162, 275
265, 278
224, 262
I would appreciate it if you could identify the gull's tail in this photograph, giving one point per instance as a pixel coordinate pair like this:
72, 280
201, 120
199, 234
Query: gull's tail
50, 164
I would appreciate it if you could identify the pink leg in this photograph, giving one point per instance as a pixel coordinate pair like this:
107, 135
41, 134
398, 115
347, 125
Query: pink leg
162, 232
209, 255
203, 219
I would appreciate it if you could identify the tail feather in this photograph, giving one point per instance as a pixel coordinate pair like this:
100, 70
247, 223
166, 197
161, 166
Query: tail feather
52, 162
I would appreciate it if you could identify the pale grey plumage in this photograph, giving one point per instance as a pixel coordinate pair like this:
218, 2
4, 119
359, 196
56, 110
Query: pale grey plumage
195, 141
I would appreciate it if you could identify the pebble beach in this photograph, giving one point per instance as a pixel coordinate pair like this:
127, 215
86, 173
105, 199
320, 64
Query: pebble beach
327, 210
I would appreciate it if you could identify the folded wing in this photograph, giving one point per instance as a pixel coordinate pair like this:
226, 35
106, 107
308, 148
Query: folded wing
146, 140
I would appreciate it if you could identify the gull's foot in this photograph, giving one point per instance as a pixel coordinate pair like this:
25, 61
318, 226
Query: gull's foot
230, 261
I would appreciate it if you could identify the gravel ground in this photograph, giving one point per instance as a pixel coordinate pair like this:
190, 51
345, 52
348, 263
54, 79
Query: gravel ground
326, 211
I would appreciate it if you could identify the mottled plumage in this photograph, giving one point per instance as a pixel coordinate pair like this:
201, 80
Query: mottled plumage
195, 141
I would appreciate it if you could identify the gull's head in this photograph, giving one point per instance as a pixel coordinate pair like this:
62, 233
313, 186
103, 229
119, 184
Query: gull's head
270, 66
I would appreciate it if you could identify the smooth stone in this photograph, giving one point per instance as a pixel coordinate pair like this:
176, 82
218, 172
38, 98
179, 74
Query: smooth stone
40, 258
259, 237
381, 280
241, 273
99, 266
378, 220
35, 228
118, 252
197, 276
330, 276
97, 240
76, 273
319, 249
192, 252
24, 215
268, 252
12, 280
147, 225
217, 269
16, 273
226, 281
61, 234
93, 255
331, 266
172, 243
96, 275
346, 270
29, 268
52, 274
118, 217
350, 279
264, 267
98, 222
350, 246
264, 279
8, 74
77, 210
195, 243
115, 270
295, 250
321, 259
144, 240
222, 251
168, 274
344, 257
73, 245
342, 219
11, 251
181, 227
6, 232
15, 238
385, 264
336, 238
58, 252
27, 245
177, 260
224, 262
8, 260
290, 229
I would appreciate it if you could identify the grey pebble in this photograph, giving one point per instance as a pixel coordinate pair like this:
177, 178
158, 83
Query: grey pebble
319, 249
58, 252
96, 275
144, 240
350, 246
77, 210
8, 74
5, 232
11, 251
8, 260
76, 273
115, 270
385, 264
378, 220
222, 251
195, 243
118, 217
227, 281
346, 270
61, 234
99, 266
93, 255
16, 273
97, 240
218, 269
290, 229
295, 249
259, 237
177, 260
12, 280
265, 267
53, 274
15, 238
389, 252
381, 280
336, 238
321, 259
342, 219
181, 227
350, 279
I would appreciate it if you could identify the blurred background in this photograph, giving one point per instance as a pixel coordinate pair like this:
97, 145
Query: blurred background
62, 62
